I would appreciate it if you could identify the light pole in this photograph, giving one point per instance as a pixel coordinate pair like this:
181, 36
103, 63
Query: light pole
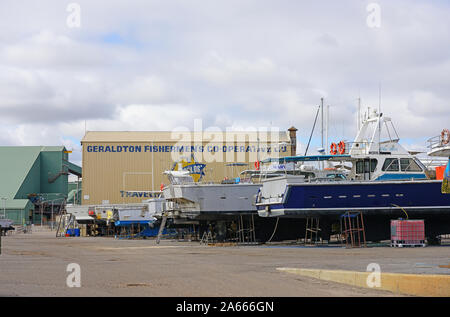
52, 214
4, 206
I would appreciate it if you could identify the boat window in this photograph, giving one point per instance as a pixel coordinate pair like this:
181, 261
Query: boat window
391, 165
409, 165
370, 165
366, 166
360, 167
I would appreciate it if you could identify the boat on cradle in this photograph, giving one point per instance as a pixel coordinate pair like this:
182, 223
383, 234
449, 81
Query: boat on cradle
384, 182
190, 200
222, 205
440, 145
105, 219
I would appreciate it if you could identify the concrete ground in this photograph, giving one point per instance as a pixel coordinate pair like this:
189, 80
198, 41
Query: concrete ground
36, 265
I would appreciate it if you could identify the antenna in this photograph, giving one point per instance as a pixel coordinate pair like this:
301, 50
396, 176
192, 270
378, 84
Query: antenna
379, 117
359, 113
321, 113
312, 131
326, 127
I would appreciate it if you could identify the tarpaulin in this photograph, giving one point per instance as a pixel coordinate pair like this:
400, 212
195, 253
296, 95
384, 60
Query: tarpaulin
446, 180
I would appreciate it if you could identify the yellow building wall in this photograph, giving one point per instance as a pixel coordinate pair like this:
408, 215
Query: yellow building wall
123, 172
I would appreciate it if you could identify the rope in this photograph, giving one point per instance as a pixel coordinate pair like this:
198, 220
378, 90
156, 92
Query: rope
407, 217
276, 226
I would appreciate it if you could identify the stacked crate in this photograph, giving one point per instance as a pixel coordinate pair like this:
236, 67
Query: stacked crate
407, 233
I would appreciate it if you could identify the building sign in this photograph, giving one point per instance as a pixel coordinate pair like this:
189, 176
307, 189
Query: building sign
139, 194
184, 148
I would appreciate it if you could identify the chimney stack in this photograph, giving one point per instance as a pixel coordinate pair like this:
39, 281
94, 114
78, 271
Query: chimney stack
293, 136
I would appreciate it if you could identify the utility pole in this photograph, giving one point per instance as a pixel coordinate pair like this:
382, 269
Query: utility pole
52, 214
326, 128
4, 207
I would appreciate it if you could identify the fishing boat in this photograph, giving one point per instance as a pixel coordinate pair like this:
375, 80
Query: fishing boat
440, 144
222, 206
384, 182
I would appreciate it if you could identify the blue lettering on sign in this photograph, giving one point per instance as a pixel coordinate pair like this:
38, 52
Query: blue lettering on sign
114, 148
138, 194
180, 148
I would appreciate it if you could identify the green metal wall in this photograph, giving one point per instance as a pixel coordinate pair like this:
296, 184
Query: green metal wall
20, 216
32, 182
52, 164
27, 171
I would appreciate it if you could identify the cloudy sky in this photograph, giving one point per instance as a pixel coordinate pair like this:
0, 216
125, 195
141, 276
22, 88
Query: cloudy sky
158, 65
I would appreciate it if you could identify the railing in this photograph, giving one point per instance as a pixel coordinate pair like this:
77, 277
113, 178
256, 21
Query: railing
435, 142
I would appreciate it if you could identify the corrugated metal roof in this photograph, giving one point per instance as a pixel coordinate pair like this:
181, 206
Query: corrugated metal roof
15, 163
59, 148
15, 204
176, 136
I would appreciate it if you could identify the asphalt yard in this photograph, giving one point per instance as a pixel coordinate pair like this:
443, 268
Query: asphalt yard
39, 264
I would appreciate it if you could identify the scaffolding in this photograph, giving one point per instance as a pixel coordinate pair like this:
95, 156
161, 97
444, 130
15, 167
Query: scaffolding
47, 207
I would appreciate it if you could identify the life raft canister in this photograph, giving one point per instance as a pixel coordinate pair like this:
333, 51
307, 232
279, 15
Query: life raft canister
341, 147
333, 149
445, 136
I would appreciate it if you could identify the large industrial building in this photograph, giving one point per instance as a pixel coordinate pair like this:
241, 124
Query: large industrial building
128, 167
34, 182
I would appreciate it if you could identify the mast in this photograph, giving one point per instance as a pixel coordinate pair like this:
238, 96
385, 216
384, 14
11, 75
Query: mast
326, 127
358, 122
379, 119
321, 164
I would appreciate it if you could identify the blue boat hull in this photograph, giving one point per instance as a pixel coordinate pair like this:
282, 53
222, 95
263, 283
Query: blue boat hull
310, 199
379, 202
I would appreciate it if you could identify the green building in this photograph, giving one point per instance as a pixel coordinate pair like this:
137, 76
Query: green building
34, 182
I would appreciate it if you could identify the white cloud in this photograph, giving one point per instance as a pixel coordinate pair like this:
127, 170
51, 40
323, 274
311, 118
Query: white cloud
154, 65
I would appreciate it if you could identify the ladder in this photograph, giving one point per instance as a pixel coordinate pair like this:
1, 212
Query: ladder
62, 219
64, 223
207, 238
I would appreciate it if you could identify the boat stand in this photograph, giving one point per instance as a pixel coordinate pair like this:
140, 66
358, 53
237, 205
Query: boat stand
161, 227
352, 230
246, 230
312, 231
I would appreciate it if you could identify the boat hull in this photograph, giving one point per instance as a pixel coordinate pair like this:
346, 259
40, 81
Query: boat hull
211, 201
309, 199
